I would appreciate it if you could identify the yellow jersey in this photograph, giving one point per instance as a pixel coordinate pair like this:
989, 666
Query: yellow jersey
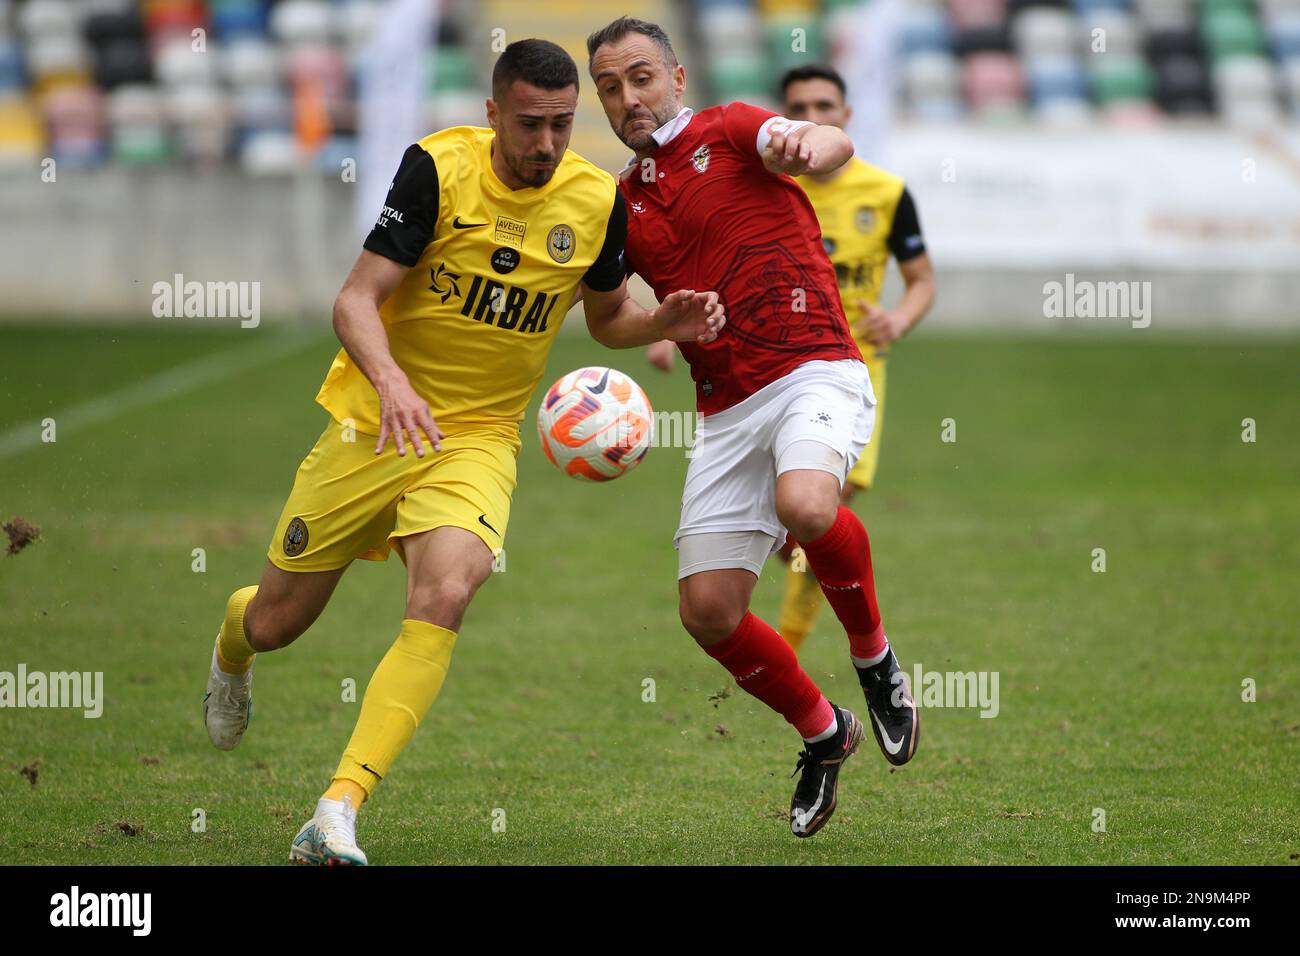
492, 272
866, 214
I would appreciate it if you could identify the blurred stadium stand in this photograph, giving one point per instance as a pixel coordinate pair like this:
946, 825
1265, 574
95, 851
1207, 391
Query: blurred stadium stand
115, 81
1085, 131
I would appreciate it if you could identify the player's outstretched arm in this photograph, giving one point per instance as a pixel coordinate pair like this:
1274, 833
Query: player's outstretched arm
808, 149
359, 327
616, 321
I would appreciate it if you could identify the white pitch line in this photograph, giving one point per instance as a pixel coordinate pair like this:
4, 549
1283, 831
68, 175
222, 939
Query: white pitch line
170, 383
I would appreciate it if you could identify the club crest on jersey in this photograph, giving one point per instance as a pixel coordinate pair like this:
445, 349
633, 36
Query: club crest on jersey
865, 219
701, 159
560, 243
295, 538
638, 208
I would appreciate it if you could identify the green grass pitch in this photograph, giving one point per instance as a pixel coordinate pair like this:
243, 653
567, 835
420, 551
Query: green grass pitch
1120, 691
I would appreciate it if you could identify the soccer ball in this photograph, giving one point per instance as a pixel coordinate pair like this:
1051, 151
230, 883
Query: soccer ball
595, 423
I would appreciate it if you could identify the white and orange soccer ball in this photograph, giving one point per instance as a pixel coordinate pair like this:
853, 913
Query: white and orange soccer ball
595, 423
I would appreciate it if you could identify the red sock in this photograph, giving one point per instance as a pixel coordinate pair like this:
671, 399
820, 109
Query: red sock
841, 559
764, 665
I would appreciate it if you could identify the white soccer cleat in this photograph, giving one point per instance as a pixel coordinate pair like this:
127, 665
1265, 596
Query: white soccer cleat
228, 705
330, 837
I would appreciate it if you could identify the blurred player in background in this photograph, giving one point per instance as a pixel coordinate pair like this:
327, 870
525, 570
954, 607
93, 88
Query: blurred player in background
866, 215
785, 398
446, 321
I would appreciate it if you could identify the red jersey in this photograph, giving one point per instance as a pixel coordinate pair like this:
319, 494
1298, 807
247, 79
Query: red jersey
704, 213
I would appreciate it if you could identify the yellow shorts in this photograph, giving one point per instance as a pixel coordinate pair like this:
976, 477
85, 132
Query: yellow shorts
347, 502
863, 474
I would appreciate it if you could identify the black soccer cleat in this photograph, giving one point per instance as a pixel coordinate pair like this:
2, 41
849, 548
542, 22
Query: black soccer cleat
894, 718
814, 797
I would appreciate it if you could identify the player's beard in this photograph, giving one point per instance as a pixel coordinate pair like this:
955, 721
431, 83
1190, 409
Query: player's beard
643, 141
534, 176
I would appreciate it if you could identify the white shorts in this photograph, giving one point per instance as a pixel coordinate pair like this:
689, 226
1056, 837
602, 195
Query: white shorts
828, 407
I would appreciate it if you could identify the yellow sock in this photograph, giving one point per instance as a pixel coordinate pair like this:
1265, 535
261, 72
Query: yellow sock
347, 788
234, 653
401, 691
802, 601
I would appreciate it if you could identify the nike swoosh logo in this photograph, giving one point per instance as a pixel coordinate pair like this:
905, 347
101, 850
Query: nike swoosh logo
803, 818
457, 224
373, 770
482, 519
890, 746
599, 386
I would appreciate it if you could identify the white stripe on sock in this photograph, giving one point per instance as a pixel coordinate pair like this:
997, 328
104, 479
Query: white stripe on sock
863, 662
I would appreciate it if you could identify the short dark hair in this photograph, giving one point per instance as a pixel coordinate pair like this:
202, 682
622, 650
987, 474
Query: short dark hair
815, 72
539, 63
622, 27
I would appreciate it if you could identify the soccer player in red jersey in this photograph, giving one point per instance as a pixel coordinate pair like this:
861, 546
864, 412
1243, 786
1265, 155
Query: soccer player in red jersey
785, 400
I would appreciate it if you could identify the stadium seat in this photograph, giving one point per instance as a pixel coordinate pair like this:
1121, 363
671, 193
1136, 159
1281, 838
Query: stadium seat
177, 63
968, 14
250, 61
123, 60
303, 21
925, 29
1246, 89
991, 38
1043, 31
1165, 15
1121, 79
931, 76
1057, 77
1183, 86
992, 79
1290, 77
1283, 31
1121, 34
1231, 31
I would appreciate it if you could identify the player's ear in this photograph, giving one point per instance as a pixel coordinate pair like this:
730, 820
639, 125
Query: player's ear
848, 114
491, 108
679, 80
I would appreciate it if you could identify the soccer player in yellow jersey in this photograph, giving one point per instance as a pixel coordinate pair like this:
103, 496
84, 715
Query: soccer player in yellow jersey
866, 215
446, 320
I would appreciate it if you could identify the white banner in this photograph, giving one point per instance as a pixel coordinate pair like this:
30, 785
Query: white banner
393, 83
1181, 199
870, 75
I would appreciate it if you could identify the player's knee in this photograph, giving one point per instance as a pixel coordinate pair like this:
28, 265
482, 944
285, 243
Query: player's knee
808, 518
709, 618
269, 628
442, 602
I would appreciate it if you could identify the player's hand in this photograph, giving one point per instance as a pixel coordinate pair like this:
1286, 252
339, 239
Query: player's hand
403, 415
789, 153
662, 355
880, 327
686, 314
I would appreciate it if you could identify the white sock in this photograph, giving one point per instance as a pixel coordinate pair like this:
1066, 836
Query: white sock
864, 662
827, 733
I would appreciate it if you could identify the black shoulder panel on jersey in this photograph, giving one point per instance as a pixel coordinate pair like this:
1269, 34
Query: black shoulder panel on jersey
608, 271
410, 212
905, 239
